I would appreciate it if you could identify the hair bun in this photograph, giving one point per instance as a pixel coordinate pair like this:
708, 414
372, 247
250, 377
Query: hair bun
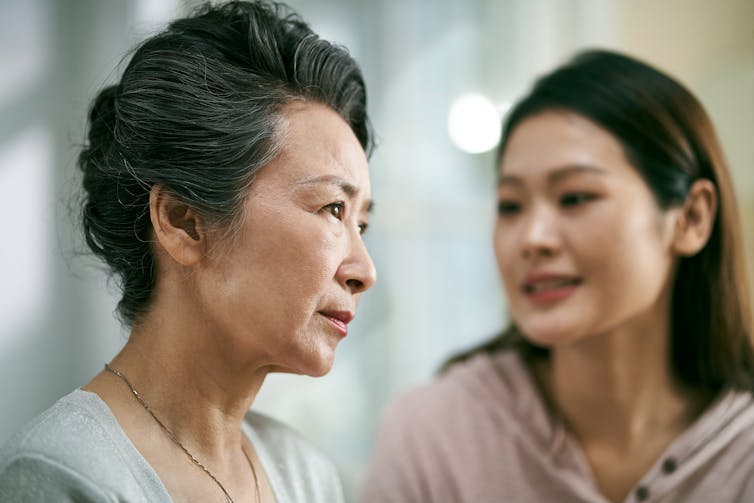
102, 120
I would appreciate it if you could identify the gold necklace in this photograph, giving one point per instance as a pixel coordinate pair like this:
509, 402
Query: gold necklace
179, 444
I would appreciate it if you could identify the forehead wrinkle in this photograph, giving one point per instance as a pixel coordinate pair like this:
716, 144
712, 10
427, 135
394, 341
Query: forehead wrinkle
345, 186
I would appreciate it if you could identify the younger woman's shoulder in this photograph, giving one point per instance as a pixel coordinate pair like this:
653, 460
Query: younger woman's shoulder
480, 380
438, 441
482, 389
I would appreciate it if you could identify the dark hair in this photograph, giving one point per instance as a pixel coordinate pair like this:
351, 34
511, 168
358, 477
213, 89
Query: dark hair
667, 136
197, 110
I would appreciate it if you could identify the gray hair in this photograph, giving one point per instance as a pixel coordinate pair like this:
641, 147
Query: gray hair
198, 110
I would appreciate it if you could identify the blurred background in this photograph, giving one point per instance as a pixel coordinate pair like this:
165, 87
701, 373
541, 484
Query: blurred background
439, 73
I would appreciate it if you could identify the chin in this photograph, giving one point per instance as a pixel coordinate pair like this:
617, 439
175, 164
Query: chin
318, 369
313, 364
320, 372
548, 336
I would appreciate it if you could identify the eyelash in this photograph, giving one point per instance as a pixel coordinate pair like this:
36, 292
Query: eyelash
572, 199
340, 206
508, 208
568, 200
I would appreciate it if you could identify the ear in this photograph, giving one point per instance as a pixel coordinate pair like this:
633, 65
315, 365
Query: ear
177, 226
697, 216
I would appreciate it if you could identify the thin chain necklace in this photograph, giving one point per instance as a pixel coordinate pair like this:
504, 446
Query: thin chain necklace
179, 444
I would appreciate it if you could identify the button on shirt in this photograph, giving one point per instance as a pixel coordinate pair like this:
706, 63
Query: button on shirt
481, 433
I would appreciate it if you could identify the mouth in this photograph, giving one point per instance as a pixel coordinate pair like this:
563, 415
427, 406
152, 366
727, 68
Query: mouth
547, 288
551, 284
339, 319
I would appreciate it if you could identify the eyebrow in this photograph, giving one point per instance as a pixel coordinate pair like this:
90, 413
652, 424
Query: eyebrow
347, 187
555, 176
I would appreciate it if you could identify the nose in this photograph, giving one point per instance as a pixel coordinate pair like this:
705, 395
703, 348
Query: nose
541, 234
357, 272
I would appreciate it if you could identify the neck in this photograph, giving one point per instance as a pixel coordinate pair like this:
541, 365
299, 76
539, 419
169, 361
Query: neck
618, 388
185, 375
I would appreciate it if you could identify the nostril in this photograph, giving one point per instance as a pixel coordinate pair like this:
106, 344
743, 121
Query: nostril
539, 250
355, 284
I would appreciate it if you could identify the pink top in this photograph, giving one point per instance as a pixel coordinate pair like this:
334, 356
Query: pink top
482, 434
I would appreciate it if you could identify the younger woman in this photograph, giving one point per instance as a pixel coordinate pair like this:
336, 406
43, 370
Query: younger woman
627, 371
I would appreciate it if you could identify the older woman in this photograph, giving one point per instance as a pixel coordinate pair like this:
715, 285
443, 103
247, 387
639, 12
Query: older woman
628, 370
227, 188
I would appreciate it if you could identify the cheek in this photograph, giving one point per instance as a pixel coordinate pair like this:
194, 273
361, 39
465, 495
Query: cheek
504, 241
627, 251
295, 264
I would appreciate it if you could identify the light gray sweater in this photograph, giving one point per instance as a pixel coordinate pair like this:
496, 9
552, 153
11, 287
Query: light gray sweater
77, 451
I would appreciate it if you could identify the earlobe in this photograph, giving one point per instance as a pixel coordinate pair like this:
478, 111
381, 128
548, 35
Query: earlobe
696, 219
176, 225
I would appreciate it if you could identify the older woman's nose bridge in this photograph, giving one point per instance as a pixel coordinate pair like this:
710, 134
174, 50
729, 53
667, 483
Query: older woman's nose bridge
357, 271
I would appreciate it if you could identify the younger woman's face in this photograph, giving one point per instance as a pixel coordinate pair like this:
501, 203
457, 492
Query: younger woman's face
582, 247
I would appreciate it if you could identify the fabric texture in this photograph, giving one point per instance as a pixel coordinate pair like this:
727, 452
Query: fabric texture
481, 433
77, 451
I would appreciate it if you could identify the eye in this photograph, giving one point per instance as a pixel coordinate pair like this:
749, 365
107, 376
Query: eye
363, 228
508, 208
336, 209
576, 198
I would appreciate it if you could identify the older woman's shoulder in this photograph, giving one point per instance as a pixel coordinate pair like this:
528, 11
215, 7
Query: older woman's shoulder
64, 425
75, 450
297, 470
278, 438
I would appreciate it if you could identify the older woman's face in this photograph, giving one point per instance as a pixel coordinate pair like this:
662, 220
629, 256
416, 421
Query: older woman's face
582, 246
287, 285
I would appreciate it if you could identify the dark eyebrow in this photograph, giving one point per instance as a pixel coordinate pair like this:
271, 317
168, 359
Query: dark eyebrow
347, 187
556, 175
508, 180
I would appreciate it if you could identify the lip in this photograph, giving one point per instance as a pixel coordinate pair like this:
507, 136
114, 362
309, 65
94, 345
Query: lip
339, 319
548, 287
